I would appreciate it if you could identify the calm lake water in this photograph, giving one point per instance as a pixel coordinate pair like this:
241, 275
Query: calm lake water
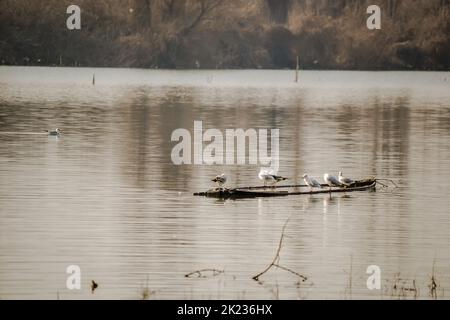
105, 195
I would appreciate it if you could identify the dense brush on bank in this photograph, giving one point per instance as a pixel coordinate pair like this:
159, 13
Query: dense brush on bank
330, 34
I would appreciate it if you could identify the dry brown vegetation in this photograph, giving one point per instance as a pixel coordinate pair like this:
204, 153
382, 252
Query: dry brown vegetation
325, 34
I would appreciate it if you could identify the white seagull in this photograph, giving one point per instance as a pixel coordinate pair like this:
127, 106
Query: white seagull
268, 176
345, 181
55, 132
311, 182
332, 181
220, 179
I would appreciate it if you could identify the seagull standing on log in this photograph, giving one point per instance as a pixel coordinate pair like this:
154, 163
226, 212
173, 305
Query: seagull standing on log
311, 182
332, 181
220, 180
268, 176
345, 181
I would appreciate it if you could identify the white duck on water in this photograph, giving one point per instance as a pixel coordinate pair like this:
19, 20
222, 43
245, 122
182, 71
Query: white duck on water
55, 132
268, 176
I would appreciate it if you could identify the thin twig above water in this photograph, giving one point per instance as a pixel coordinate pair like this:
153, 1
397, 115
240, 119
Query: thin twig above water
276, 258
388, 180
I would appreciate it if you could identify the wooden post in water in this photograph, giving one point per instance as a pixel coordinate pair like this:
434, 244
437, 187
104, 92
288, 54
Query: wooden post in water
296, 71
93, 79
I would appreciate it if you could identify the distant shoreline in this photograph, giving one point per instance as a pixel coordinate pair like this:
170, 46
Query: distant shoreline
226, 69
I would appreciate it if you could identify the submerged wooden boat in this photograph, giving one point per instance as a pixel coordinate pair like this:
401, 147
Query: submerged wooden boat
285, 190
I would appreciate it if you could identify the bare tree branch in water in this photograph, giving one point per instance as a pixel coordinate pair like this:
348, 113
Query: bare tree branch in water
388, 180
433, 286
276, 258
201, 273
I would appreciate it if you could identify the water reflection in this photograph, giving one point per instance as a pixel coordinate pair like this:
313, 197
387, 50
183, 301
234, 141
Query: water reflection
106, 195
